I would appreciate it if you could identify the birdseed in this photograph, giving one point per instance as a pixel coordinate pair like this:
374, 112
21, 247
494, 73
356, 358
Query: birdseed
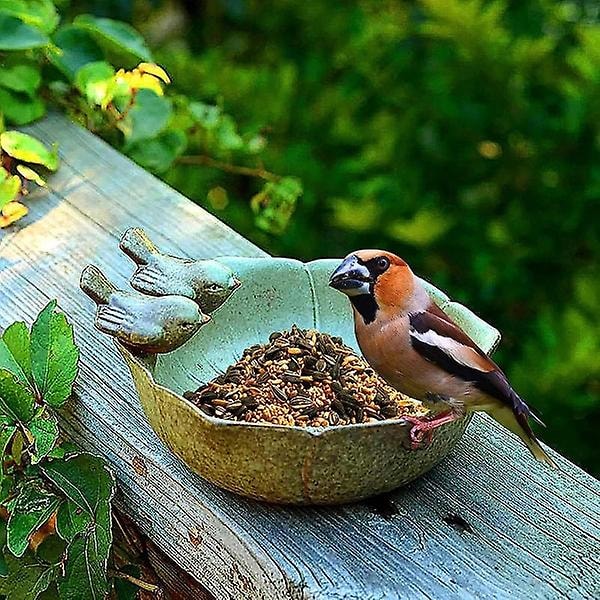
306, 378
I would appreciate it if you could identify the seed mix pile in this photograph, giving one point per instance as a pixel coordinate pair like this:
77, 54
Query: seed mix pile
306, 378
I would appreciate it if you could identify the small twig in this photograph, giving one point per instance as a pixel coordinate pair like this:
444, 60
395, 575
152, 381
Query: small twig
207, 161
144, 585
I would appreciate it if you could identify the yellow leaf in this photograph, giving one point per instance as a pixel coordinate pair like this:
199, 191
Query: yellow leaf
136, 80
155, 70
31, 175
12, 212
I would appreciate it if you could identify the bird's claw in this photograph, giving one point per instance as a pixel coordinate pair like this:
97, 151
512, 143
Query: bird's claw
419, 435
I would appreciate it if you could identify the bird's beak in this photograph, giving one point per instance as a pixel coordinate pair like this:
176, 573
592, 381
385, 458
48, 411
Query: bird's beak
235, 283
351, 278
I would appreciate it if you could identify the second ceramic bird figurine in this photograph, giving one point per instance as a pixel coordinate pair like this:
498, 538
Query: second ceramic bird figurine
207, 282
146, 323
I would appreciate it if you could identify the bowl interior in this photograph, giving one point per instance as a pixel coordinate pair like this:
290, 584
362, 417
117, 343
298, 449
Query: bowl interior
277, 293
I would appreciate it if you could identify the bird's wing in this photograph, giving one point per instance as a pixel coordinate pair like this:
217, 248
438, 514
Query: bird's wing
433, 330
443, 343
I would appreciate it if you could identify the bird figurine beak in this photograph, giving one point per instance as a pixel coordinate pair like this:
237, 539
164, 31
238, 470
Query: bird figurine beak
351, 278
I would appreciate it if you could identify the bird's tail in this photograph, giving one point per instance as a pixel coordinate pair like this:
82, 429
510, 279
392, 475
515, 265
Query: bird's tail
138, 246
96, 285
516, 421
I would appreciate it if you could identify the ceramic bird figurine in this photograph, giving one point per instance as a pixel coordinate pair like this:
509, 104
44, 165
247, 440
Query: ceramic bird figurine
422, 352
207, 282
146, 323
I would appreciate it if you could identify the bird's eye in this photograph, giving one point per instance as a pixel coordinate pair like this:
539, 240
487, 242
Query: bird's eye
213, 287
383, 262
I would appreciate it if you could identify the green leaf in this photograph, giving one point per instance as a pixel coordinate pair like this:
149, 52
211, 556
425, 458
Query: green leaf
9, 190
71, 520
207, 115
33, 507
16, 340
147, 117
83, 478
116, 36
51, 549
76, 47
6, 434
276, 203
41, 14
26, 148
16, 35
85, 570
31, 175
85, 521
17, 402
44, 429
159, 153
54, 356
23, 78
20, 109
26, 578
94, 81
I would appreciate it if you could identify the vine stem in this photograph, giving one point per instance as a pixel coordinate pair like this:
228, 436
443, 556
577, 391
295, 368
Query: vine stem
202, 159
144, 585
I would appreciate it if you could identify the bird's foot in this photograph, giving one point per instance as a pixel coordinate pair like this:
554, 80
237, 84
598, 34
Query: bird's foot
421, 432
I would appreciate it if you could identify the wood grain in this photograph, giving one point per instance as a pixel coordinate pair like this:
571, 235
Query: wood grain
487, 523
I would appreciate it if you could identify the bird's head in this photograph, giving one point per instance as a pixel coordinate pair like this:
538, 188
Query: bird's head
374, 280
215, 283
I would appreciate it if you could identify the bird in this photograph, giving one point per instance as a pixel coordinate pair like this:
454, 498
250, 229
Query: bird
420, 351
150, 324
207, 282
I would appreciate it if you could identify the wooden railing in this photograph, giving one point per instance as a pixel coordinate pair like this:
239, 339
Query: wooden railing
489, 522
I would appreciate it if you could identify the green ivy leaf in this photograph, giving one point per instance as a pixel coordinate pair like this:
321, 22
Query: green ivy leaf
26, 578
44, 429
118, 37
41, 14
26, 148
16, 340
33, 507
17, 402
23, 78
77, 49
16, 35
9, 189
20, 109
147, 117
159, 153
54, 356
94, 81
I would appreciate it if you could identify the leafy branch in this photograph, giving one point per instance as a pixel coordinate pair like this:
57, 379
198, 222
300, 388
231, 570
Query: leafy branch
55, 501
76, 66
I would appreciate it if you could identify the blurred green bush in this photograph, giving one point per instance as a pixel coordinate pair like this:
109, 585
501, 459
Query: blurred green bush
463, 135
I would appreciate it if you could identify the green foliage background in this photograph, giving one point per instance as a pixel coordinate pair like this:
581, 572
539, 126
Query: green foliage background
463, 135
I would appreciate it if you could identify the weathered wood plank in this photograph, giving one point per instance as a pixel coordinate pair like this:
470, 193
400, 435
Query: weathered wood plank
533, 533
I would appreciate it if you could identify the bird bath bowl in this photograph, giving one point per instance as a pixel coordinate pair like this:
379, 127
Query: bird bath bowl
282, 464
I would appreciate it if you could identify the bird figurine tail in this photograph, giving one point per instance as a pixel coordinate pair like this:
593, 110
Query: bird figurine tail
96, 285
518, 424
138, 246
